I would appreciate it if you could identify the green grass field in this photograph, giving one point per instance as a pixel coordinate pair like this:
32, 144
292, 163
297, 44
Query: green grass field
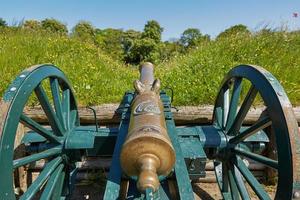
195, 77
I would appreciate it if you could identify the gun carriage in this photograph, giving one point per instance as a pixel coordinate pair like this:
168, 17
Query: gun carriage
152, 158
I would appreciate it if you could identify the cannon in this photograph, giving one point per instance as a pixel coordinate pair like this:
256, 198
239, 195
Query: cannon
151, 157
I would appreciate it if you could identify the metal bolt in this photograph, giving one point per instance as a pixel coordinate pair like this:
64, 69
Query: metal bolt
18, 191
296, 195
279, 93
13, 89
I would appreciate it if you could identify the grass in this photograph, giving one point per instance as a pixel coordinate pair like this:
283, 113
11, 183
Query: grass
195, 77
95, 77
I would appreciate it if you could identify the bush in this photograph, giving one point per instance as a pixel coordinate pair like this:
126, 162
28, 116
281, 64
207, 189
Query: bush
2, 22
55, 26
84, 30
32, 25
144, 49
239, 29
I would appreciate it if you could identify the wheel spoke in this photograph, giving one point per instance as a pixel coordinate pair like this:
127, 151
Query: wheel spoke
258, 158
46, 172
234, 102
255, 185
53, 120
219, 112
51, 183
225, 106
66, 108
243, 111
240, 184
220, 176
35, 157
57, 194
225, 184
57, 99
219, 116
259, 125
39, 129
233, 185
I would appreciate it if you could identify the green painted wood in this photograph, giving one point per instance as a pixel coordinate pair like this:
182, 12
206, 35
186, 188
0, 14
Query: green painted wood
35, 157
53, 120
66, 109
39, 129
80, 140
233, 185
256, 157
182, 176
234, 102
51, 183
40, 180
60, 187
283, 125
257, 126
112, 188
237, 123
255, 185
149, 194
54, 86
240, 183
14, 100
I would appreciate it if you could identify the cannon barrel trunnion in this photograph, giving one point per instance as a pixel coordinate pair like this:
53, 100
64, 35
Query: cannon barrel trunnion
151, 157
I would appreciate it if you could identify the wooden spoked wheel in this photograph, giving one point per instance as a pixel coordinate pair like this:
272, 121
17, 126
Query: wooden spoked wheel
49, 86
234, 178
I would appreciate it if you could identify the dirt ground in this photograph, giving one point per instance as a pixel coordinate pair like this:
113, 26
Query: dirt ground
207, 191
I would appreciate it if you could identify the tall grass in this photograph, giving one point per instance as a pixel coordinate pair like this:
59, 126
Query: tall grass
195, 77
95, 77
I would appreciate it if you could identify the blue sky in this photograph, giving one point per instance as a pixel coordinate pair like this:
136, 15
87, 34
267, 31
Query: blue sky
210, 16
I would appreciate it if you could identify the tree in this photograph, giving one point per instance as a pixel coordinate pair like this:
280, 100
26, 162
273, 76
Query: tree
54, 26
110, 41
239, 29
144, 49
32, 25
2, 22
84, 30
128, 39
171, 48
146, 46
152, 30
191, 36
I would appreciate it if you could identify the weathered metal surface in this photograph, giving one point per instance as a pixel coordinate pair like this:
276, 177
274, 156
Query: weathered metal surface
147, 151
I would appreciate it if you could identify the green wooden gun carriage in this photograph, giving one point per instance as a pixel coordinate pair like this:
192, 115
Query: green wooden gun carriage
152, 158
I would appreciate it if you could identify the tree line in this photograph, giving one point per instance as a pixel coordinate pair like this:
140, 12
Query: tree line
130, 46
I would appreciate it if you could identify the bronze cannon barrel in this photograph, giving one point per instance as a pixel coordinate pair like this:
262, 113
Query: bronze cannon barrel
147, 151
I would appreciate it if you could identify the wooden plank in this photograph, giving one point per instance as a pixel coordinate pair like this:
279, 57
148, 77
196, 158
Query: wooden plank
211, 177
106, 114
100, 163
